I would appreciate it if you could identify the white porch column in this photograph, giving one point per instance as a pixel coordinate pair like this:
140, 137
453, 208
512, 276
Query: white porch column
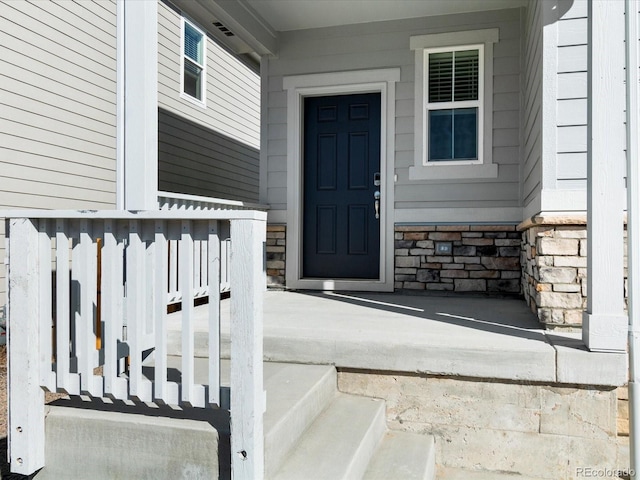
137, 104
605, 323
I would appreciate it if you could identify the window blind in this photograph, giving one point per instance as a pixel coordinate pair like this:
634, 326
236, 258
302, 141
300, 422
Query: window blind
440, 77
466, 75
192, 43
453, 76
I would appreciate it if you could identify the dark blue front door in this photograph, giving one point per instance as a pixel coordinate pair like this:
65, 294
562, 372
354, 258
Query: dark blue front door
341, 234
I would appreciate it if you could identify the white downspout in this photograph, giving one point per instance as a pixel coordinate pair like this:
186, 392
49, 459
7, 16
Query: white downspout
633, 228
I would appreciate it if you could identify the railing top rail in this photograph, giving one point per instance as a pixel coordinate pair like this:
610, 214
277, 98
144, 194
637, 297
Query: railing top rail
138, 214
212, 200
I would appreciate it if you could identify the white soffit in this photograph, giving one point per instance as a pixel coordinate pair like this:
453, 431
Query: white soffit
284, 15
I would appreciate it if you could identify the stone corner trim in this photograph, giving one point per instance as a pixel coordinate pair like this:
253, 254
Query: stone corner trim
554, 268
276, 254
552, 220
554, 271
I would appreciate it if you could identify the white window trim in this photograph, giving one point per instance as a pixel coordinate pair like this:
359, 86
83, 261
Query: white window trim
201, 103
479, 104
484, 166
360, 81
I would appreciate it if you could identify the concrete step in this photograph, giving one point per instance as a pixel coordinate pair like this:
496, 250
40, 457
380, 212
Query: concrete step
102, 445
296, 395
340, 443
403, 455
311, 431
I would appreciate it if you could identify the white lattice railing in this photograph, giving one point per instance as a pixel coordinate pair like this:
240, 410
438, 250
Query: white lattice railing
89, 288
178, 202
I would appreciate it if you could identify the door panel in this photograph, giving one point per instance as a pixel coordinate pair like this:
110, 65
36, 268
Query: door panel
341, 235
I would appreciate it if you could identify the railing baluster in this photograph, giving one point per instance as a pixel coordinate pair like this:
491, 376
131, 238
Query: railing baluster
26, 398
160, 369
108, 306
196, 266
63, 313
149, 314
173, 270
112, 311
228, 246
214, 313
85, 320
73, 230
138, 388
225, 256
47, 376
204, 261
186, 287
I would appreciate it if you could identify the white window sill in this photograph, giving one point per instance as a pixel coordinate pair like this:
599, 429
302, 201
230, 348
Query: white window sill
443, 172
193, 100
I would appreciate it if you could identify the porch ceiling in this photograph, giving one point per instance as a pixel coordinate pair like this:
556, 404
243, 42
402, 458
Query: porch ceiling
284, 15
252, 27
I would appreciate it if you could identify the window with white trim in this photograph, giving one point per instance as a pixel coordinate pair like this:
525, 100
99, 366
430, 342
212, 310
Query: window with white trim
454, 105
194, 61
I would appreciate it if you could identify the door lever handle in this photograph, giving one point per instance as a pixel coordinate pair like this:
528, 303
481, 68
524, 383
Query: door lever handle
376, 203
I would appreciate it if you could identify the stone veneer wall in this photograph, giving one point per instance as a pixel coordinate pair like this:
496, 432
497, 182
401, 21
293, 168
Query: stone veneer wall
276, 255
554, 269
531, 430
484, 258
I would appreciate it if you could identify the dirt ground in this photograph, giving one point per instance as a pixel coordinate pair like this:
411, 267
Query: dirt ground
3, 391
4, 466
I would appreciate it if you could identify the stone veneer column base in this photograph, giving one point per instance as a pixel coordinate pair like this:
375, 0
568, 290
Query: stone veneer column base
276, 255
554, 269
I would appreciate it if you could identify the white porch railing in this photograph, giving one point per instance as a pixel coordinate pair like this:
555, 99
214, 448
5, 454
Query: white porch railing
89, 288
179, 202
184, 202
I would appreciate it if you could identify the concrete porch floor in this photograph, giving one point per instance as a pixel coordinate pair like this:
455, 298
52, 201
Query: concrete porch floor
468, 336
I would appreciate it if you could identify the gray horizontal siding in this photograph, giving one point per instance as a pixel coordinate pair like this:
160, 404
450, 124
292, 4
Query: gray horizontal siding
233, 90
200, 161
57, 107
384, 45
212, 151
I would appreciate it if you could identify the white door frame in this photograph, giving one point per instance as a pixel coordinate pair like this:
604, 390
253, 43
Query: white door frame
340, 83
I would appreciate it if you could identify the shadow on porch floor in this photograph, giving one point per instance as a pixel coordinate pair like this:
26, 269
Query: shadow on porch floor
468, 336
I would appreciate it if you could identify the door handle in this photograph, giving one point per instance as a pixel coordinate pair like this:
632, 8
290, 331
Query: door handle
376, 203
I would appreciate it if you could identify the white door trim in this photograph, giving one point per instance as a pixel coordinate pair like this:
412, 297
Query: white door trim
340, 83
